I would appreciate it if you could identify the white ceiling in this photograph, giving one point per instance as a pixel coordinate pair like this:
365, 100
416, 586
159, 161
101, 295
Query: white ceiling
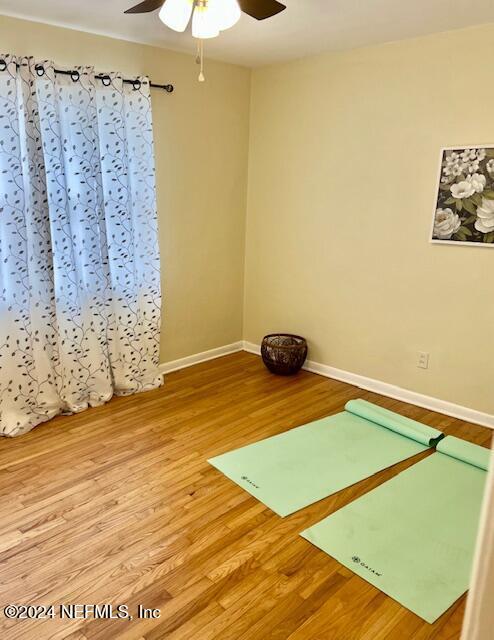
306, 27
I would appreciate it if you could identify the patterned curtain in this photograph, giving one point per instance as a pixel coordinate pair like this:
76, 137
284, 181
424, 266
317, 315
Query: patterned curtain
79, 257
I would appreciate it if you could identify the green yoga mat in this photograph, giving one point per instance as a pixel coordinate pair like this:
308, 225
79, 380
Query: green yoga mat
414, 536
301, 466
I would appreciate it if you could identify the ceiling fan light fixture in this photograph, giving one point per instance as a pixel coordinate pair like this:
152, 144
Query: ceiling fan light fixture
176, 14
204, 21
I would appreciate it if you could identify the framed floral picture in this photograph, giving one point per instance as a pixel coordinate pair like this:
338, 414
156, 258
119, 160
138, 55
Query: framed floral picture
464, 207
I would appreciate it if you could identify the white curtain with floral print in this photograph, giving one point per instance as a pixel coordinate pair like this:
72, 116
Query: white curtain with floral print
79, 257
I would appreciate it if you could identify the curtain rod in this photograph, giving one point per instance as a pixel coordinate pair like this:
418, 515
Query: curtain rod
105, 79
136, 83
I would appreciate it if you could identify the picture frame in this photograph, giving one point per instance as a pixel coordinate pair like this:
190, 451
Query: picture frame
463, 213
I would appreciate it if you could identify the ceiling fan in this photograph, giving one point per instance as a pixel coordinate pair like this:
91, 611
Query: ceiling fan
209, 17
258, 9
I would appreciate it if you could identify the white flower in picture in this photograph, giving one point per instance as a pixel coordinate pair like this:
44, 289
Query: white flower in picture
463, 189
485, 217
478, 182
464, 207
446, 224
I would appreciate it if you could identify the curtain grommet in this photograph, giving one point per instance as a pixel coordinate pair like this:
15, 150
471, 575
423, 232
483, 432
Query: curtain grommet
75, 75
40, 70
3, 65
106, 80
137, 84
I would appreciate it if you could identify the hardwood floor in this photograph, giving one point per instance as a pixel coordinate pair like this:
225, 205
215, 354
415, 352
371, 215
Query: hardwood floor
118, 505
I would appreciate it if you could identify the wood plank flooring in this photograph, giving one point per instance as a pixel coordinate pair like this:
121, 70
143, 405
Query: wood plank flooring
118, 505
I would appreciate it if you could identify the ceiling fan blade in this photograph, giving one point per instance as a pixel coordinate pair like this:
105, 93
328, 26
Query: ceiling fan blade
146, 6
261, 9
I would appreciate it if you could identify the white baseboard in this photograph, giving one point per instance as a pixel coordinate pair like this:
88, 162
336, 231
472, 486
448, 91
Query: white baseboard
196, 358
250, 347
392, 391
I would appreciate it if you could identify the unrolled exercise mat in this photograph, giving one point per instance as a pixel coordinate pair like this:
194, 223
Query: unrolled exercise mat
304, 465
414, 536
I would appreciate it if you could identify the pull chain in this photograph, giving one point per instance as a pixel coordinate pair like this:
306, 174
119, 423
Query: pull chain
200, 60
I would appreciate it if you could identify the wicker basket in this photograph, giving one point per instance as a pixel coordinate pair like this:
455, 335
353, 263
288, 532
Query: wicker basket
284, 353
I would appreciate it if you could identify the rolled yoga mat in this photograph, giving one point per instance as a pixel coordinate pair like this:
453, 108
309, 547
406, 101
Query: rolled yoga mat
414, 536
304, 465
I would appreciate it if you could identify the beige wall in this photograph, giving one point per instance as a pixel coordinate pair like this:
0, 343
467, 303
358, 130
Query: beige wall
201, 143
342, 172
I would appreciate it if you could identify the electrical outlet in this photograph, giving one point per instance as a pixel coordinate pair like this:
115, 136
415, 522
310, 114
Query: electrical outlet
423, 361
